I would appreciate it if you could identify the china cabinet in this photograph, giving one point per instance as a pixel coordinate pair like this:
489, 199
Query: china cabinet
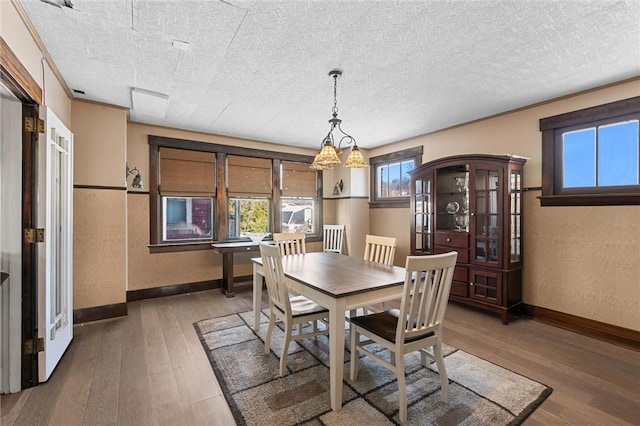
473, 204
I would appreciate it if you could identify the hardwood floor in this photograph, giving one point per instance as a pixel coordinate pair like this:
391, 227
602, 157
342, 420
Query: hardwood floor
149, 368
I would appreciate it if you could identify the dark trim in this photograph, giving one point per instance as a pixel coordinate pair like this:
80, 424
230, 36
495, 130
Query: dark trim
168, 248
590, 200
596, 113
137, 192
110, 188
30, 170
16, 77
405, 153
389, 204
532, 188
595, 329
161, 141
346, 198
172, 290
96, 313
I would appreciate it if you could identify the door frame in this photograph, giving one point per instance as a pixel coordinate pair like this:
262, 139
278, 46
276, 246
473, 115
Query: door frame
15, 77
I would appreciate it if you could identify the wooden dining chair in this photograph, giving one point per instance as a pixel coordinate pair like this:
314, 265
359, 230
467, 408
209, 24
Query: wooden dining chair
380, 249
291, 242
283, 306
416, 326
332, 237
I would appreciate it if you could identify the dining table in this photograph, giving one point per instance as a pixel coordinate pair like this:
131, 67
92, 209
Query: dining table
339, 283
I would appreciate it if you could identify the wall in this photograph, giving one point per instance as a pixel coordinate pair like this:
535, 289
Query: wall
99, 204
583, 261
351, 207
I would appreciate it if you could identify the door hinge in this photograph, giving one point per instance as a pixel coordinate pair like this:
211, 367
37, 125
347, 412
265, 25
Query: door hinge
32, 346
32, 235
32, 124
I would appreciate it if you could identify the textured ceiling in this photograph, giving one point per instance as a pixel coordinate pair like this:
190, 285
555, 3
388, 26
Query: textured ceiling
258, 69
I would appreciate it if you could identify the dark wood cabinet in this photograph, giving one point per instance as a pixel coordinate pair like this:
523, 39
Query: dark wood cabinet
473, 204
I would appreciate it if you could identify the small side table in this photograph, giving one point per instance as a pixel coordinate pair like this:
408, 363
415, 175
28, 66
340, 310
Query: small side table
227, 250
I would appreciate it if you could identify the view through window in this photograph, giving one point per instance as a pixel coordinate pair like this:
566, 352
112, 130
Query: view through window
598, 156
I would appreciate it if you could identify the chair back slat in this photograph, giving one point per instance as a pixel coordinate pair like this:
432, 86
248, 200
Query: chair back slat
274, 276
333, 236
291, 243
426, 293
380, 249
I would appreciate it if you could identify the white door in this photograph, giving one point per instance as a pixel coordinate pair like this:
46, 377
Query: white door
55, 278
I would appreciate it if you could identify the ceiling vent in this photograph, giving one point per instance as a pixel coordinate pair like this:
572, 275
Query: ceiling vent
149, 103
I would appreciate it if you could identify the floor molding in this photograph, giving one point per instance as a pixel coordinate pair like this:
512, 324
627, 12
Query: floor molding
172, 290
598, 330
96, 313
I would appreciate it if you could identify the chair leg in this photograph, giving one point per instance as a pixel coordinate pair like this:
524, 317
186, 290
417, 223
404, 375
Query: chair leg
402, 387
267, 340
353, 348
442, 370
285, 348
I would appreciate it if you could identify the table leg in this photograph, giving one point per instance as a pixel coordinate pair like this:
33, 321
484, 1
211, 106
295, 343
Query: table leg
257, 296
227, 274
336, 352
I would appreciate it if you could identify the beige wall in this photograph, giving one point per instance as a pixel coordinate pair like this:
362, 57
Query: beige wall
99, 225
15, 33
584, 261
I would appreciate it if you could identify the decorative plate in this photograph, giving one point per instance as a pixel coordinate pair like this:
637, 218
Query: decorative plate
453, 207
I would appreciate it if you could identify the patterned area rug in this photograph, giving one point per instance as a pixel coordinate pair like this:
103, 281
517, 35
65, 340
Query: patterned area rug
479, 392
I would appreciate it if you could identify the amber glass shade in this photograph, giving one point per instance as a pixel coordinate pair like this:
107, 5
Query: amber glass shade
355, 159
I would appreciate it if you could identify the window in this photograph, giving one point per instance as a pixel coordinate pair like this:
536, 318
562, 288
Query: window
592, 156
390, 177
202, 192
299, 198
186, 218
249, 183
187, 188
248, 215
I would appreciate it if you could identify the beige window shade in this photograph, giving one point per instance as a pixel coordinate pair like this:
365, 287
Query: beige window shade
298, 180
186, 172
247, 176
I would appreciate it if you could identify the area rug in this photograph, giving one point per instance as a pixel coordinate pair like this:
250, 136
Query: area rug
480, 393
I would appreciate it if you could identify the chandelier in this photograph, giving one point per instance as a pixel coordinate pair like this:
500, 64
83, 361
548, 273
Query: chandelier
328, 155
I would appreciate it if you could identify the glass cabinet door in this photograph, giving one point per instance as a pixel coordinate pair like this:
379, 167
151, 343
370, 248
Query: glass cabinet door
486, 215
452, 198
515, 236
422, 214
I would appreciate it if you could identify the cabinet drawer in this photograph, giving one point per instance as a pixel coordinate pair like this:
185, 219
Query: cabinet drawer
461, 274
452, 239
463, 254
459, 288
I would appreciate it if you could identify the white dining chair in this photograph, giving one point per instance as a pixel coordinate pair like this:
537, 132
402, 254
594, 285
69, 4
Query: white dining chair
332, 237
290, 242
380, 249
283, 306
416, 326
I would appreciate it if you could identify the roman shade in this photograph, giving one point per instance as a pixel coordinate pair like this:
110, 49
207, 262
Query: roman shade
248, 176
186, 172
298, 180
